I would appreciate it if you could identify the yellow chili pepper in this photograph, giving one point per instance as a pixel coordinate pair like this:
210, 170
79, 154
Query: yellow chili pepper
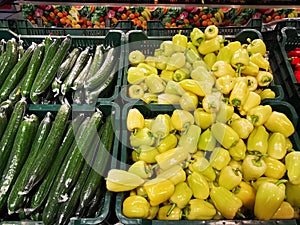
193, 86
260, 61
135, 119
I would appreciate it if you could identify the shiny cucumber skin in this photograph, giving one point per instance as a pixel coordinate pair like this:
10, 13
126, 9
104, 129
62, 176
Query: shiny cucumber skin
71, 168
15, 201
18, 155
42, 162
8, 137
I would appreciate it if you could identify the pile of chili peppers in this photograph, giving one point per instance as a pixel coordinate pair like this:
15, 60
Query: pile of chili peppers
294, 58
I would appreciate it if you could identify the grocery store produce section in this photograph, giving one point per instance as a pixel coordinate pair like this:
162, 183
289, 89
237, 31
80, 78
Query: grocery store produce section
150, 115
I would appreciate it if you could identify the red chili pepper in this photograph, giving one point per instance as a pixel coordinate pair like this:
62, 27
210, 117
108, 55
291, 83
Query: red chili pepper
297, 67
297, 75
294, 60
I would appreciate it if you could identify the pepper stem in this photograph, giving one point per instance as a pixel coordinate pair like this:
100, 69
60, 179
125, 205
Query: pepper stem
239, 69
266, 79
240, 214
171, 209
282, 181
254, 119
236, 102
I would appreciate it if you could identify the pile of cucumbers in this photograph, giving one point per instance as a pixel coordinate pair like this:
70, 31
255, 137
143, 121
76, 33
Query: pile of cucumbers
51, 166
52, 71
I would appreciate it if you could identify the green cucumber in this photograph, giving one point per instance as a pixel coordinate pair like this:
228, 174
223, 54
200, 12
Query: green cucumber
21, 50
109, 61
2, 46
64, 69
48, 41
99, 167
39, 197
32, 69
15, 95
15, 200
18, 155
79, 81
78, 67
97, 61
8, 137
92, 95
41, 85
16, 73
10, 59
42, 162
71, 168
94, 206
3, 123
6, 107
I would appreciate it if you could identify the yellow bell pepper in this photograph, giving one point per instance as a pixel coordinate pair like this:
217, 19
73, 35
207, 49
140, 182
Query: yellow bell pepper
166, 75
169, 142
234, 46
253, 167
189, 139
222, 68
199, 185
175, 174
224, 134
224, 54
188, 101
258, 140
181, 195
260, 61
141, 137
159, 190
153, 212
199, 209
135, 206
264, 78
225, 84
135, 119
201, 165
252, 83
172, 157
119, 180
155, 84
204, 119
201, 73
197, 36
246, 193
207, 141
160, 127
229, 177
169, 212
275, 168
193, 86
147, 69
239, 93
208, 46
165, 98
252, 101
242, 127
147, 153
211, 102
279, 122
141, 169
135, 75
150, 98
174, 88
251, 70
284, 212
180, 41
256, 45
277, 146
219, 158
267, 93
181, 119
225, 112
292, 164
238, 152
259, 115
210, 59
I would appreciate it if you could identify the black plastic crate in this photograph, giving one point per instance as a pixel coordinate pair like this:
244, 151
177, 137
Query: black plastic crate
114, 38
106, 196
156, 28
138, 40
125, 155
25, 27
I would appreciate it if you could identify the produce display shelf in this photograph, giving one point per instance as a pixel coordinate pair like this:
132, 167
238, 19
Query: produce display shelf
114, 38
156, 28
126, 161
104, 209
138, 40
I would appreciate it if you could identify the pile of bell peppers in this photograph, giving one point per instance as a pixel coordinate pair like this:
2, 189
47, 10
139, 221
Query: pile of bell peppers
200, 165
294, 58
198, 70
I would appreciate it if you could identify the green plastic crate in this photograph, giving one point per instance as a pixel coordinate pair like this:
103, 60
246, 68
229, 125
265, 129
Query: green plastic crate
107, 196
138, 40
156, 28
276, 105
115, 38
25, 27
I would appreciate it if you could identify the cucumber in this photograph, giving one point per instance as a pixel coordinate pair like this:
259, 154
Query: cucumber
41, 85
8, 137
64, 69
16, 73
3, 123
97, 61
21, 50
102, 157
48, 56
6, 107
92, 95
70, 169
78, 67
78, 82
15, 200
78, 96
9, 60
48, 41
109, 61
94, 206
15, 95
2, 46
42, 162
18, 155
40, 195
32, 69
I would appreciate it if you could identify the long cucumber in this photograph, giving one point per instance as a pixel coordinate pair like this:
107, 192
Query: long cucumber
64, 69
8, 137
51, 69
79, 65
15, 200
9, 60
16, 73
96, 62
39, 197
3, 123
42, 162
15, 95
70, 170
79, 81
99, 167
6, 107
18, 155
109, 61
32, 69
